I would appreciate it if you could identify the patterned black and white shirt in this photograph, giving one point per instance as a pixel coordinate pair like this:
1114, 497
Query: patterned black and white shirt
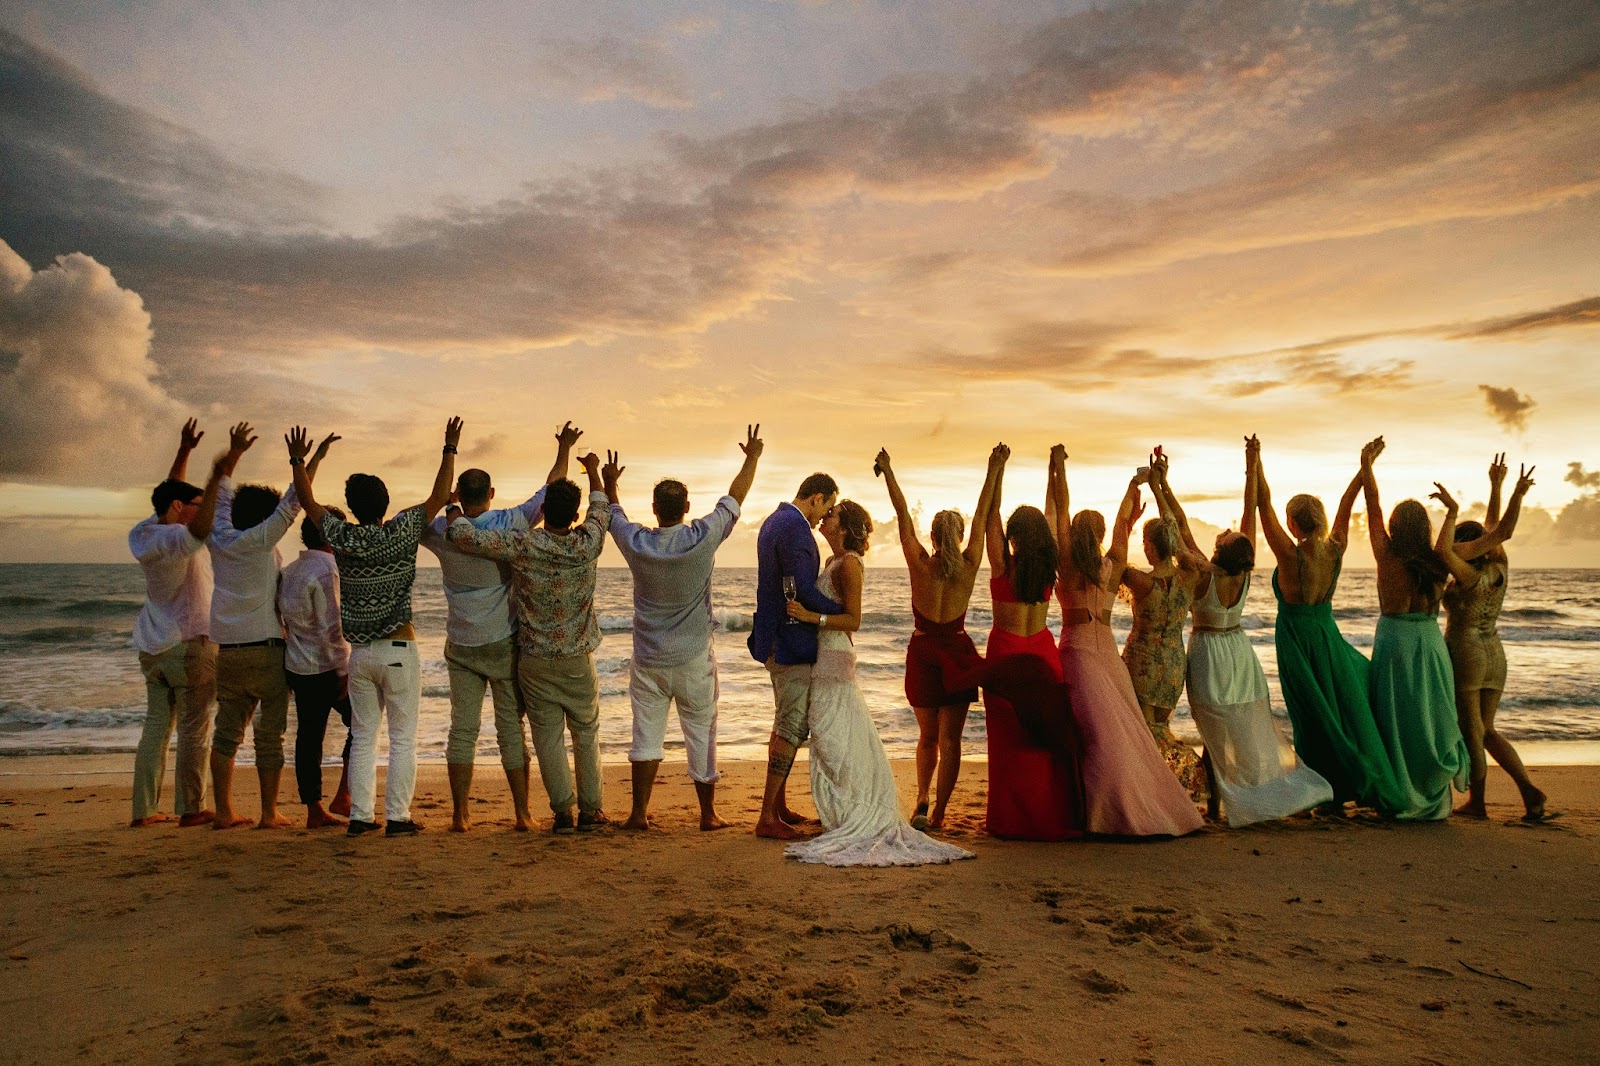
377, 565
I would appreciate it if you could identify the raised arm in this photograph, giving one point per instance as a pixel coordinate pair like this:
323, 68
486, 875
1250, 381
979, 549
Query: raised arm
1377, 533
904, 524
1497, 478
566, 437
610, 474
1252, 478
1502, 530
447, 472
188, 441
239, 440
298, 442
1464, 572
1278, 539
206, 515
994, 539
980, 514
1059, 500
1128, 512
1340, 533
752, 448
1189, 554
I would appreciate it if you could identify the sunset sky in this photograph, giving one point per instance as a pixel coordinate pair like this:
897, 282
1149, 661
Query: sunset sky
927, 226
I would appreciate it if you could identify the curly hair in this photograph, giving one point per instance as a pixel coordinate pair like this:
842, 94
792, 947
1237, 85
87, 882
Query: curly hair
1088, 529
1469, 531
947, 560
1411, 542
1236, 556
856, 525
1032, 568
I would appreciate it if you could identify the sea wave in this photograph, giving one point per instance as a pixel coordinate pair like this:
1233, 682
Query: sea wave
731, 621
616, 623
53, 635
1533, 634
24, 601
1533, 613
21, 717
102, 608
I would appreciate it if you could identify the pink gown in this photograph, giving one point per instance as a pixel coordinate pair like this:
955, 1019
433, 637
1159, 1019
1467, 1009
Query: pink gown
1128, 787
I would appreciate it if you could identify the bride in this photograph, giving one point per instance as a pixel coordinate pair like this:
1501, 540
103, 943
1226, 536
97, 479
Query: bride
851, 782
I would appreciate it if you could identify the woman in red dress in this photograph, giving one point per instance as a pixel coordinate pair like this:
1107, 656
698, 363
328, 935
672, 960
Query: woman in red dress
942, 666
1035, 792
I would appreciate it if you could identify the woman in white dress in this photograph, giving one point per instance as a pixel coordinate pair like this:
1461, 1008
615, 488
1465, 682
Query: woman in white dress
1254, 772
851, 782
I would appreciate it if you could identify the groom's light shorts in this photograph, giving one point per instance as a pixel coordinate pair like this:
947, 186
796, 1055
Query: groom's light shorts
694, 685
791, 692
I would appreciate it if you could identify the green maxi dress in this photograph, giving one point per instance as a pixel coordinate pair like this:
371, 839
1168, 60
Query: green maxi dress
1325, 691
1414, 704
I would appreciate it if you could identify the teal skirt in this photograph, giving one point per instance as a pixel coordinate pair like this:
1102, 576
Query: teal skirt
1414, 704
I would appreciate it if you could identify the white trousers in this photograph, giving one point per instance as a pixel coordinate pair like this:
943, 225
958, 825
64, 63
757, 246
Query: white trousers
694, 685
385, 677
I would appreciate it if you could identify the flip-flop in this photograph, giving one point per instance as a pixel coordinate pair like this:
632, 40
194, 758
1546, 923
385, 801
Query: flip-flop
919, 820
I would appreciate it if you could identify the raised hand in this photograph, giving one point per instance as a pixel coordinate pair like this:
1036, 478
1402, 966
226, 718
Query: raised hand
1252, 450
240, 438
327, 442
299, 443
590, 463
567, 436
1443, 496
1498, 469
1524, 479
1158, 467
880, 462
189, 436
1058, 452
1000, 454
1138, 513
611, 473
1370, 453
753, 444
452, 433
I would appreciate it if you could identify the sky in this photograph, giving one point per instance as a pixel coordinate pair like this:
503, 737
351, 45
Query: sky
925, 226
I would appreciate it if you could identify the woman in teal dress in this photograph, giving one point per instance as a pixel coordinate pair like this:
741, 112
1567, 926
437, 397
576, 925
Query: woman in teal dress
1412, 685
1324, 679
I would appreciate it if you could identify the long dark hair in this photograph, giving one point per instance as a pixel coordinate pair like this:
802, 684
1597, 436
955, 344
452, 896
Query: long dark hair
1411, 541
1083, 544
1033, 568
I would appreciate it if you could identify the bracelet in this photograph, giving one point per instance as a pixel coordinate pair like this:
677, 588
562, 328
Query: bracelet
295, 460
450, 448
822, 620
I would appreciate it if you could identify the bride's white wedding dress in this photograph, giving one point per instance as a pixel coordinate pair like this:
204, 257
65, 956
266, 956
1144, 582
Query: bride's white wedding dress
851, 782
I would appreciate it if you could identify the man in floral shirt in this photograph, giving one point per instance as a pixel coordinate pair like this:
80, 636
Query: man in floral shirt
552, 596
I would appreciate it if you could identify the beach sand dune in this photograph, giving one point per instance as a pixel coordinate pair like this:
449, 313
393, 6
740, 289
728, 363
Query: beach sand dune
1308, 941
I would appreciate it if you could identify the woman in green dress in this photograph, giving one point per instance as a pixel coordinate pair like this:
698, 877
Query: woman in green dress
1324, 679
1412, 686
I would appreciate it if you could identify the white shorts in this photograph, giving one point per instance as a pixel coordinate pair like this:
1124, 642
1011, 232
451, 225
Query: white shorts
694, 685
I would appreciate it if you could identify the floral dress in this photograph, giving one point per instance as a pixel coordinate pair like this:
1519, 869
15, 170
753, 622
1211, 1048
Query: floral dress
1157, 665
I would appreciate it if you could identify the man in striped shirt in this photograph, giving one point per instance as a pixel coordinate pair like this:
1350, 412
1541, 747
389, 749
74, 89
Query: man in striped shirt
377, 565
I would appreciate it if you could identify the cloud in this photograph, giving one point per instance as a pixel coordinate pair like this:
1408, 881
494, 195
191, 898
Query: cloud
1070, 355
612, 68
1578, 313
78, 395
1509, 407
1585, 479
1313, 367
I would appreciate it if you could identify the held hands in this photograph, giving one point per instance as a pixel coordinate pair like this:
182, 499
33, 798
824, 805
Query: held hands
1058, 453
452, 433
1370, 453
189, 436
1000, 454
1498, 469
567, 436
299, 442
612, 471
1444, 497
1158, 468
753, 444
1524, 479
240, 438
1252, 451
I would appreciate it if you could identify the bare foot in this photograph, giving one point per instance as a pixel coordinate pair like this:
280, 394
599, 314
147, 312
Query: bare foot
276, 821
340, 804
460, 823
197, 818
793, 818
638, 823
936, 822
523, 824
229, 821
1471, 810
149, 819
317, 818
709, 822
777, 830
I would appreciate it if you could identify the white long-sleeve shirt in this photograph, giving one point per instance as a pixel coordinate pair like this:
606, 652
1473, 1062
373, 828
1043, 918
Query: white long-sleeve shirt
308, 601
177, 581
246, 564
478, 590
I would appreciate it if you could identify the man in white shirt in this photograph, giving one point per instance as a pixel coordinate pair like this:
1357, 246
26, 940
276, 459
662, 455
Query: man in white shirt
251, 685
674, 655
480, 649
171, 634
316, 658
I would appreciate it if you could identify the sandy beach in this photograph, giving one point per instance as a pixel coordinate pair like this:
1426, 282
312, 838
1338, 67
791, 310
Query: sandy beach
1304, 941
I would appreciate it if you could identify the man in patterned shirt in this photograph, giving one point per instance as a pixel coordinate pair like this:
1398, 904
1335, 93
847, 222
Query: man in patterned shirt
552, 595
377, 565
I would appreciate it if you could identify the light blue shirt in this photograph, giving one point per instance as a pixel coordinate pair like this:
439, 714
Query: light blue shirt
672, 620
478, 590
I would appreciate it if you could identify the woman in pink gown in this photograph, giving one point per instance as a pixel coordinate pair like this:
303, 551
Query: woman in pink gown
1128, 788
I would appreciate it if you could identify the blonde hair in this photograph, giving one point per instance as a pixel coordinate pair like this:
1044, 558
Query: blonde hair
1163, 537
947, 560
1088, 529
1307, 515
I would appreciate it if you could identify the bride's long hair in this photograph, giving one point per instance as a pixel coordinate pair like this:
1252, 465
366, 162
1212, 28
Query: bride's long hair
855, 524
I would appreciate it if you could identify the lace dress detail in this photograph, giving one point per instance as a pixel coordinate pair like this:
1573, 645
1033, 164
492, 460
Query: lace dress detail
1477, 657
851, 780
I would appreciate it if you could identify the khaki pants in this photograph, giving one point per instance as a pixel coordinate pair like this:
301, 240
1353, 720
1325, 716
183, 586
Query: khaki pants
248, 678
472, 670
179, 685
559, 692
791, 695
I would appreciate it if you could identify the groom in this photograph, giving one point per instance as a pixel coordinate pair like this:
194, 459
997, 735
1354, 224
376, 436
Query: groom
785, 548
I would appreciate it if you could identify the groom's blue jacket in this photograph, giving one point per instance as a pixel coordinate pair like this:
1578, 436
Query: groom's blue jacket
785, 547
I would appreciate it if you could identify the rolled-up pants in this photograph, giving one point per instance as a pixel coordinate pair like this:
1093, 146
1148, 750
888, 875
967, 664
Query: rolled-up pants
472, 670
557, 692
385, 678
252, 690
315, 696
179, 685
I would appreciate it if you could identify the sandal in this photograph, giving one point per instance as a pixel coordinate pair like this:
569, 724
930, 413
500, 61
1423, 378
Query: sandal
919, 820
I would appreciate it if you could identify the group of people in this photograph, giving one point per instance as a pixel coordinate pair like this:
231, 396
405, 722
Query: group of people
1079, 735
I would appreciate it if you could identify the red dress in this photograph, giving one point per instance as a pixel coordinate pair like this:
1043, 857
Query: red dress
1035, 789
942, 666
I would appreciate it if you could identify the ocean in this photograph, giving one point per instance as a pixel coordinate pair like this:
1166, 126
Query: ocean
70, 682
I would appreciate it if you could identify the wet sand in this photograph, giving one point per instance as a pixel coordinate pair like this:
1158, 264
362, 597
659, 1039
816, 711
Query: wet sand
1304, 941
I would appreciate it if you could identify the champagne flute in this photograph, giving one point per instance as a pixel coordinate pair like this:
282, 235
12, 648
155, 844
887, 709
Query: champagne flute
789, 594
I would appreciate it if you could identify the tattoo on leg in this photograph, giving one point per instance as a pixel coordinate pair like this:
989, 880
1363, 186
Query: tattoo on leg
780, 764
